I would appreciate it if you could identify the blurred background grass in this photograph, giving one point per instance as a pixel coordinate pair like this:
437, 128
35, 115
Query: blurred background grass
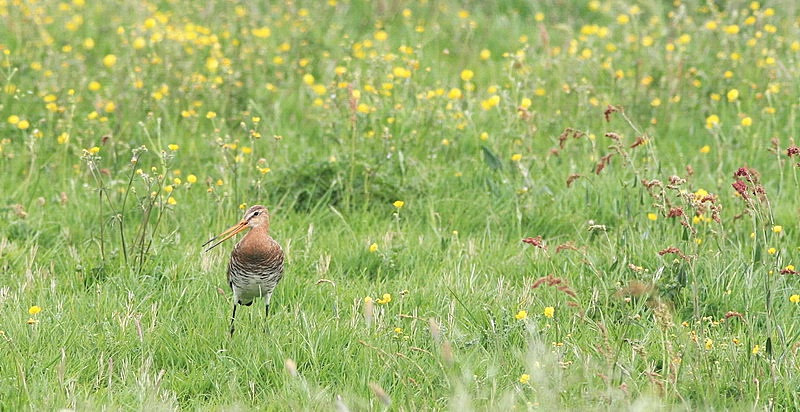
133, 132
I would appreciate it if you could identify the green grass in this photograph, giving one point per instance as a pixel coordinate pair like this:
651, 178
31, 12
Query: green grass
134, 315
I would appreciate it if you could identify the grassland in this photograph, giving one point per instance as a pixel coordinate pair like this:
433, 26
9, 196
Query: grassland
643, 150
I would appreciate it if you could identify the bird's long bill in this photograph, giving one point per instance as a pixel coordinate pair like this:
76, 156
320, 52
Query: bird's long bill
227, 234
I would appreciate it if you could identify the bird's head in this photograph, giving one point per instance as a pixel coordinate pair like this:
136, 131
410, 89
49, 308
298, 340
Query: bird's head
255, 216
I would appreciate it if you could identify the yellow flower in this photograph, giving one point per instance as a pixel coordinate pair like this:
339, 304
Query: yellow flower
521, 315
172, 201
109, 60
381, 35
399, 204
709, 344
454, 93
191, 178
373, 248
777, 228
94, 86
732, 29
516, 157
794, 298
139, 43
23, 124
705, 149
524, 378
652, 216
401, 72
772, 251
173, 147
732, 95
789, 268
467, 75
485, 54
13, 119
711, 121
168, 188
261, 32
756, 349
367, 299
33, 310
385, 299
525, 103
319, 89
490, 102
31, 321
211, 115
549, 312
747, 121
94, 150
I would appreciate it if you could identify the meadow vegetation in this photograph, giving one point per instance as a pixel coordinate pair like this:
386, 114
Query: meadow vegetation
530, 204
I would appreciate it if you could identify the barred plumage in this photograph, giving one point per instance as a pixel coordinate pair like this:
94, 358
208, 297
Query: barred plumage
256, 264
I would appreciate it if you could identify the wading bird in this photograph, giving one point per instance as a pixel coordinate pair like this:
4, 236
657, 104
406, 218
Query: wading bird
256, 263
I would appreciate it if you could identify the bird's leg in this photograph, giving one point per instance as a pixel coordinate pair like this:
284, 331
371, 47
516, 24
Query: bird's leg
267, 310
267, 299
233, 317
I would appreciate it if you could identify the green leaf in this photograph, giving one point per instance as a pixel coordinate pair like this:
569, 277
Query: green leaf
491, 159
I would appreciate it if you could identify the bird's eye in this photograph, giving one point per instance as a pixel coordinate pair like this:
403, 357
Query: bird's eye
256, 213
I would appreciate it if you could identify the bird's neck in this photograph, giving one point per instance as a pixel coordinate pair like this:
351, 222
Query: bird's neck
260, 230
255, 241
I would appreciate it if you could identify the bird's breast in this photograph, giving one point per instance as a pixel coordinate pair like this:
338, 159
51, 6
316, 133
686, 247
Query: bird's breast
258, 250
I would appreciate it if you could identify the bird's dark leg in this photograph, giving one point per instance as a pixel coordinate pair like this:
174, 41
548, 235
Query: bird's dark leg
266, 316
233, 318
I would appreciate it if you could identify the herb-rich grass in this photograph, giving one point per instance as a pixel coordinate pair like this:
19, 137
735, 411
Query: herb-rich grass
642, 150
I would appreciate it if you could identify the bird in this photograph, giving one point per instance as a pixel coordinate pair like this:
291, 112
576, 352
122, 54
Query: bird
256, 264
